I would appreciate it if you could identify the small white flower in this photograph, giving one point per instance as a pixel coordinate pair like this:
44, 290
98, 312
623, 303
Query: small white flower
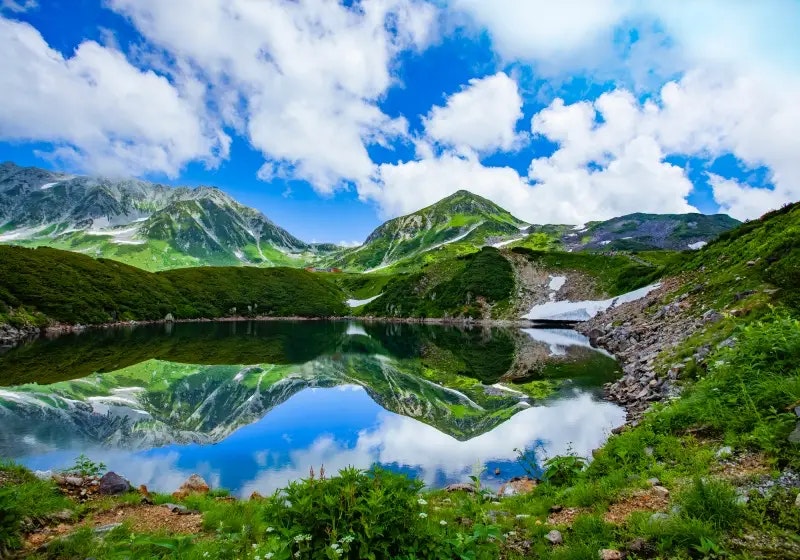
205, 554
347, 539
422, 502
255, 546
269, 555
423, 515
270, 529
442, 522
297, 554
335, 546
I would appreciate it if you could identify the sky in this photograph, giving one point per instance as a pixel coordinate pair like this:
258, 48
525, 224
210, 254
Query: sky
331, 116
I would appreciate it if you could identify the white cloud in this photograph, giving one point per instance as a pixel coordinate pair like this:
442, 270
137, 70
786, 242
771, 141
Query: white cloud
741, 201
19, 6
482, 116
302, 79
99, 111
541, 29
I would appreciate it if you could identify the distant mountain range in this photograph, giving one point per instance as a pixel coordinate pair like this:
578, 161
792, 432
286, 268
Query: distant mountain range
157, 227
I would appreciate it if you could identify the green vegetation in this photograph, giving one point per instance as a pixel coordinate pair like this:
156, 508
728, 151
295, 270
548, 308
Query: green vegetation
614, 274
72, 288
476, 285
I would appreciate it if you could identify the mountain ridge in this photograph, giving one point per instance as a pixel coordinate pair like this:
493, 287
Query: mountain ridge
158, 227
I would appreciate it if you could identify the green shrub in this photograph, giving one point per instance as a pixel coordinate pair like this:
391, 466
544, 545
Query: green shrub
375, 514
711, 501
749, 389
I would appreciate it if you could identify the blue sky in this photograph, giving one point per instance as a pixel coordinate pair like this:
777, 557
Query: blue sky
332, 117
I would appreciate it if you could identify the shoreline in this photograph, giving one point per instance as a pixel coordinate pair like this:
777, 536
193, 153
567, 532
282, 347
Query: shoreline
14, 336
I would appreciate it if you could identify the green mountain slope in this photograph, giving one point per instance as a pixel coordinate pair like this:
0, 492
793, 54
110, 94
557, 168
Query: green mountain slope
73, 288
151, 226
462, 220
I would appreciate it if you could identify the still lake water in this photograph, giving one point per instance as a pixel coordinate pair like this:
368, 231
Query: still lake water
251, 406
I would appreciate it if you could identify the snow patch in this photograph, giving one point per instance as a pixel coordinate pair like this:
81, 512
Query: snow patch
455, 239
583, 310
557, 282
49, 185
360, 302
698, 245
605, 243
507, 242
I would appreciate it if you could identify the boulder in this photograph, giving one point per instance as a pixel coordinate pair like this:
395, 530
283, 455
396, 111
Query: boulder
661, 492
104, 529
193, 485
610, 554
517, 485
460, 487
794, 437
112, 484
554, 537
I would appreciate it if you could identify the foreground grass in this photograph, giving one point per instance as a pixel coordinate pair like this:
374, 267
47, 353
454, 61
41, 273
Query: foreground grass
743, 401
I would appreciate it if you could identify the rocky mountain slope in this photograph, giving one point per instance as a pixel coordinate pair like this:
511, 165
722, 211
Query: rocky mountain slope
148, 225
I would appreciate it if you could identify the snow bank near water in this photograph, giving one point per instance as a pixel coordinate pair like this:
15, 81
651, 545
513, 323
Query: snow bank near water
360, 302
583, 310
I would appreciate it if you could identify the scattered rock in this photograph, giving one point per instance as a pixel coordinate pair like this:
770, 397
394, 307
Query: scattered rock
497, 471
661, 492
193, 485
556, 508
460, 487
112, 484
43, 475
610, 554
751, 263
794, 437
636, 545
712, 316
517, 485
177, 508
64, 515
658, 517
105, 529
73, 480
147, 499
653, 482
554, 537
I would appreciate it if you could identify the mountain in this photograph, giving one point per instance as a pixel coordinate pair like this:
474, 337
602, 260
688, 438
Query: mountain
643, 232
157, 227
145, 224
464, 222
462, 219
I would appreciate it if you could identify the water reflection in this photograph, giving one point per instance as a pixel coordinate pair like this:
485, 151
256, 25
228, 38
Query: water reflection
430, 401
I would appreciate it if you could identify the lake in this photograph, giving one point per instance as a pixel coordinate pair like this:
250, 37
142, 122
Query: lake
253, 405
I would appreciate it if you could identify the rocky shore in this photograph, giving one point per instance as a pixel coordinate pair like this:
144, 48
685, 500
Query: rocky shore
637, 333
10, 335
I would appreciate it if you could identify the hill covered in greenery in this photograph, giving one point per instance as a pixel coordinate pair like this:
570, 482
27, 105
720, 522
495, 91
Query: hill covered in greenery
47, 284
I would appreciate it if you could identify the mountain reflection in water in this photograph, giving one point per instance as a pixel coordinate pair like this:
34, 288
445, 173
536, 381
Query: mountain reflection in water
253, 405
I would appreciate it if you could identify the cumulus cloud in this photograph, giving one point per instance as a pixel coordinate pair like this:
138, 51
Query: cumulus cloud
482, 116
99, 111
301, 79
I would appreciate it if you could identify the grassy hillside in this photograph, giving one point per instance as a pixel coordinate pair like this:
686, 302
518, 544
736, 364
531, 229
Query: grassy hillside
72, 288
475, 285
